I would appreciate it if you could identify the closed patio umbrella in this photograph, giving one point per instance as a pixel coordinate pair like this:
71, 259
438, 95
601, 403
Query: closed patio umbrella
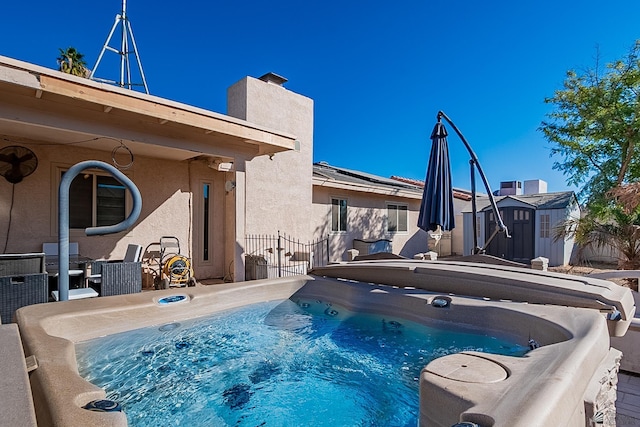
436, 208
437, 200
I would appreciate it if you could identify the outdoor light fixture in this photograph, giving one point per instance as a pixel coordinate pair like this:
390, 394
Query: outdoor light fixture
220, 166
475, 164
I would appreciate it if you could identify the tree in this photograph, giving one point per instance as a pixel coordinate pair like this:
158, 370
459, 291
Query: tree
71, 61
595, 127
618, 230
596, 130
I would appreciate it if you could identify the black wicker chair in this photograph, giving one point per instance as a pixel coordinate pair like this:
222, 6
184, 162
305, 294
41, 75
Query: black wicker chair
117, 278
31, 263
23, 281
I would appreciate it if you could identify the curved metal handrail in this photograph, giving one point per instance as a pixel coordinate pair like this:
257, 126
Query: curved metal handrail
63, 217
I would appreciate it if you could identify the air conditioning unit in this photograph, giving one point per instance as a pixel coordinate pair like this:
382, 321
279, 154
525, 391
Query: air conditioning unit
535, 186
510, 188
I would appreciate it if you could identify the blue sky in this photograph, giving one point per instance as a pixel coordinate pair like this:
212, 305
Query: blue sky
378, 72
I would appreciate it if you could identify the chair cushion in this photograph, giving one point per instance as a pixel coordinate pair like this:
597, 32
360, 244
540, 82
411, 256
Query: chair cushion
95, 278
73, 273
77, 293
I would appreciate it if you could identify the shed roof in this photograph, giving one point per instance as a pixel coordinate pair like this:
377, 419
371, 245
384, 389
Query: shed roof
558, 200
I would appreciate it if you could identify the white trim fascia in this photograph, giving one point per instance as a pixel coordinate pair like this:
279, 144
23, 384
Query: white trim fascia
24, 74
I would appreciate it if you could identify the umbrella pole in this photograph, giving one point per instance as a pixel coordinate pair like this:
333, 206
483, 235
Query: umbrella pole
474, 158
474, 208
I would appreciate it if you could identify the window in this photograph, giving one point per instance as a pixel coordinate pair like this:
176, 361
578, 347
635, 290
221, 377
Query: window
397, 218
511, 184
545, 225
338, 215
96, 200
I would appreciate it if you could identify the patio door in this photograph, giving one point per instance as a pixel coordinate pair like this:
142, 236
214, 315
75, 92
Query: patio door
521, 224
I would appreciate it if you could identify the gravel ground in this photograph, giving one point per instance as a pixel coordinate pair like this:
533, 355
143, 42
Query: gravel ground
583, 270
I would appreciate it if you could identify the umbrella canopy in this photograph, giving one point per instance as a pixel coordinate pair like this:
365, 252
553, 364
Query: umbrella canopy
436, 208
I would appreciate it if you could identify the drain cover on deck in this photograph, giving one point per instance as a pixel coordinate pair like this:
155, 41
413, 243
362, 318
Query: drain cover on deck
467, 368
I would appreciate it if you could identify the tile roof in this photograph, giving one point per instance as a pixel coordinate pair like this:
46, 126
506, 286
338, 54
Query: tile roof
559, 200
325, 170
457, 193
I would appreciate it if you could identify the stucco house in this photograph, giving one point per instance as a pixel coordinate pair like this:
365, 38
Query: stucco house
530, 217
206, 178
353, 205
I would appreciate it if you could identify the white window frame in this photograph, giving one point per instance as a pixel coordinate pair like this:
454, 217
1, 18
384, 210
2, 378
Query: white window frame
398, 208
545, 226
56, 172
346, 213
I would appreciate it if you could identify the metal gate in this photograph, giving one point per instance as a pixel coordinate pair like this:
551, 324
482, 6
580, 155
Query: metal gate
269, 256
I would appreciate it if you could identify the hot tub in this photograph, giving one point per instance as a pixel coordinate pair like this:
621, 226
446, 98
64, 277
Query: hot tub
567, 379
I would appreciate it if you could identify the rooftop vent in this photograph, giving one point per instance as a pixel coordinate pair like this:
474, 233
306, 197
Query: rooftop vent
516, 188
274, 79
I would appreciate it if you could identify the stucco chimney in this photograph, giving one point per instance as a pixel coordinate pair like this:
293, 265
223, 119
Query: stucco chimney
273, 78
283, 182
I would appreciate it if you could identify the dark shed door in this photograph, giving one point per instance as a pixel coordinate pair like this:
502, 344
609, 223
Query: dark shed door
521, 224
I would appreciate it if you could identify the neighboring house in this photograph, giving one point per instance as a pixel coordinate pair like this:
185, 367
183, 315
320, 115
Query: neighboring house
206, 178
530, 219
451, 243
350, 205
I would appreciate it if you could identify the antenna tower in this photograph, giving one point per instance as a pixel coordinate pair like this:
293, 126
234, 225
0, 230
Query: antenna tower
125, 67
